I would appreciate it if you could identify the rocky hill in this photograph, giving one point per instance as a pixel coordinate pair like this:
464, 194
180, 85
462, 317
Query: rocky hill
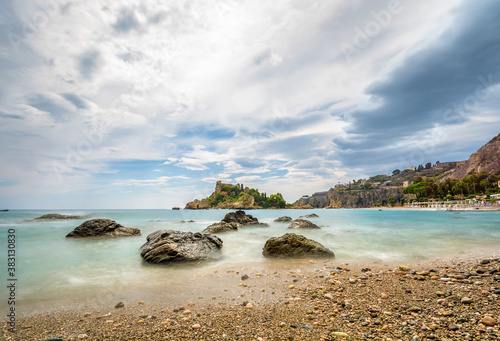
228, 196
487, 158
345, 198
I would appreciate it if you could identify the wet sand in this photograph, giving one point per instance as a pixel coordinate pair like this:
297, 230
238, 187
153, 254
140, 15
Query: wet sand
454, 298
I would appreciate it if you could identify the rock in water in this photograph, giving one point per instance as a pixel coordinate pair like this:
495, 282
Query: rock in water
302, 224
293, 245
232, 221
102, 228
312, 215
241, 219
221, 227
283, 219
55, 216
176, 246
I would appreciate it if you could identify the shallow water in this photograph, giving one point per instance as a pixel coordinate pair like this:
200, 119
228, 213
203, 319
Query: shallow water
49, 266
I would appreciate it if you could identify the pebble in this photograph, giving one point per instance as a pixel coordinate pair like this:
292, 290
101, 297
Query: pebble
466, 300
488, 321
196, 326
244, 277
452, 326
119, 305
82, 336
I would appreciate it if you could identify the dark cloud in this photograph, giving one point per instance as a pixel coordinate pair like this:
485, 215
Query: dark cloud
44, 103
127, 21
89, 63
436, 86
5, 115
76, 100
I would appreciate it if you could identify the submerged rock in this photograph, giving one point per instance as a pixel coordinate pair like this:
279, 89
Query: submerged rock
283, 219
312, 215
102, 228
295, 246
302, 224
221, 227
56, 216
175, 246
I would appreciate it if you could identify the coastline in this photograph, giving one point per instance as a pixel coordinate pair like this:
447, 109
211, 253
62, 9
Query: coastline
298, 299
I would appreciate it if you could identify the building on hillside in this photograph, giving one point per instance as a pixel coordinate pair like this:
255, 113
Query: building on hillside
412, 168
495, 196
363, 182
339, 186
407, 183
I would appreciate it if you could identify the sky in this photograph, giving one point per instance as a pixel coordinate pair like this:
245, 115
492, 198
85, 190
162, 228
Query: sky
146, 104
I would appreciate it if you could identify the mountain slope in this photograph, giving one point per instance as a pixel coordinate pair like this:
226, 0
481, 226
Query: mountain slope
487, 158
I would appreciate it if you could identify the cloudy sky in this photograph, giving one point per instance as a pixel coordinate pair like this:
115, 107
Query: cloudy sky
145, 104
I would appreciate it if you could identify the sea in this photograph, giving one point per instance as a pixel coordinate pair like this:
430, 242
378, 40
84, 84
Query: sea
50, 268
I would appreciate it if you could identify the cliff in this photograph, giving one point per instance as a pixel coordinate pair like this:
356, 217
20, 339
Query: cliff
337, 198
487, 158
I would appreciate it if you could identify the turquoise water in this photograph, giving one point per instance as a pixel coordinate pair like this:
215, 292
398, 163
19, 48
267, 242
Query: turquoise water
49, 265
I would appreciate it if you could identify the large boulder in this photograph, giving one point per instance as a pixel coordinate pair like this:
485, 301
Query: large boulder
221, 227
283, 219
292, 245
56, 216
302, 224
102, 228
240, 218
175, 246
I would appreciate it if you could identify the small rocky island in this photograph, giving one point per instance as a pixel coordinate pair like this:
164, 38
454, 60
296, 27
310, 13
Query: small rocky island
232, 221
228, 196
102, 228
175, 246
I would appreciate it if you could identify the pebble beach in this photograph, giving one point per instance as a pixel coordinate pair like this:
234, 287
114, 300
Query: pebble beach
448, 299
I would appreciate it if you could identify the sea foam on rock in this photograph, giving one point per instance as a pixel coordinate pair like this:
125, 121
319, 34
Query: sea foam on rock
175, 246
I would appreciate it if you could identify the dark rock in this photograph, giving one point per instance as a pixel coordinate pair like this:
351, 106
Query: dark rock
176, 246
244, 277
283, 219
293, 245
102, 228
221, 227
55, 216
54, 338
240, 218
312, 215
119, 305
232, 221
302, 224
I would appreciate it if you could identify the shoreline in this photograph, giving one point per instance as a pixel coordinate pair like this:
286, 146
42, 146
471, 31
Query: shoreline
309, 299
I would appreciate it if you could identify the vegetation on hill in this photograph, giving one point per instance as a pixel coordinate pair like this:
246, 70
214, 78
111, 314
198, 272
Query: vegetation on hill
469, 186
247, 197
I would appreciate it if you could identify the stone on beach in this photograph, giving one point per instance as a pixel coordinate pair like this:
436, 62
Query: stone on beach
175, 246
302, 224
312, 215
293, 245
102, 228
